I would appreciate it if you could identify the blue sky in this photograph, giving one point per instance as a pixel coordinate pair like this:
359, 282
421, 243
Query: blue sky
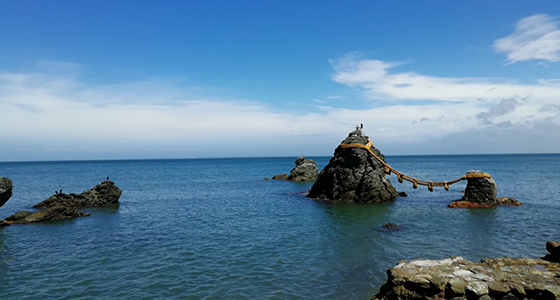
173, 79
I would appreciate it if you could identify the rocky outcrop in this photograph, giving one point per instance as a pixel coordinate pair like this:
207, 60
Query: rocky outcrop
481, 193
280, 177
106, 193
305, 170
457, 278
6, 188
47, 214
354, 175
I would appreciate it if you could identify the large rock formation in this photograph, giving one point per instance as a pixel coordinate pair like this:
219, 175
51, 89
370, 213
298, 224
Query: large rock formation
106, 193
354, 175
47, 214
6, 188
481, 192
456, 278
305, 170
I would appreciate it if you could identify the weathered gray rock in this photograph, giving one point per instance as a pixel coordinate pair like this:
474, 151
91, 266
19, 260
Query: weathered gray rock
305, 170
457, 278
6, 188
47, 214
480, 190
354, 175
106, 193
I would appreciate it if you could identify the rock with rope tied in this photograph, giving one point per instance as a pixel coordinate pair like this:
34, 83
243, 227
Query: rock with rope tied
353, 174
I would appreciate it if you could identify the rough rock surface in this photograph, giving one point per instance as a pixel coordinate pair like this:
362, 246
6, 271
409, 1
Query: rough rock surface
106, 193
305, 170
47, 214
480, 190
457, 278
6, 188
280, 177
354, 175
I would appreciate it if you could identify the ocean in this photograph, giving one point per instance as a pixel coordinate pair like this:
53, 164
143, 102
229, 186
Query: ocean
213, 229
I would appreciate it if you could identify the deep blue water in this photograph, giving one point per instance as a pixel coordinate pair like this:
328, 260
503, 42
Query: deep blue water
213, 229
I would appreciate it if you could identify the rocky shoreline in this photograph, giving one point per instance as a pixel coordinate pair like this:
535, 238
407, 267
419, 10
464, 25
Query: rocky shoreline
456, 278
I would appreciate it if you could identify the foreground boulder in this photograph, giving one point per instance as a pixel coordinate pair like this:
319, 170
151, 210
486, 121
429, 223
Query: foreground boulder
553, 249
305, 170
457, 278
47, 214
6, 188
106, 193
354, 175
481, 193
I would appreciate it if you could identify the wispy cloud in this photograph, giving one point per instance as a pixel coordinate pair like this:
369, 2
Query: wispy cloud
376, 81
535, 37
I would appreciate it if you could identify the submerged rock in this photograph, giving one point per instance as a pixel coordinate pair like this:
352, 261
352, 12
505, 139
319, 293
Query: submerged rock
354, 175
391, 226
47, 214
6, 188
106, 193
305, 170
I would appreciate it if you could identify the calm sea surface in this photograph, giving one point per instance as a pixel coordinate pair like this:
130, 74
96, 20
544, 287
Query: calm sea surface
213, 229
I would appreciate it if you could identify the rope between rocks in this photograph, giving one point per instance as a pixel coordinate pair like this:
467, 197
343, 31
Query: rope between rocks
415, 182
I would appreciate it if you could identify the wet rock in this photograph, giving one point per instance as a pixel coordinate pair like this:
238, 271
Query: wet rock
305, 170
6, 188
106, 193
402, 194
391, 226
280, 177
553, 249
47, 214
354, 175
456, 278
508, 201
266, 179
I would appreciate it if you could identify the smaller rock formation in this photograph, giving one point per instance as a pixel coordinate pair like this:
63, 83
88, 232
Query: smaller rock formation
553, 249
280, 177
47, 214
106, 193
391, 226
501, 278
305, 170
354, 175
481, 193
6, 188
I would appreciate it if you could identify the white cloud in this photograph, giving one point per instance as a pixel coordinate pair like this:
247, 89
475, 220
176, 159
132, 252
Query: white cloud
53, 116
374, 78
535, 37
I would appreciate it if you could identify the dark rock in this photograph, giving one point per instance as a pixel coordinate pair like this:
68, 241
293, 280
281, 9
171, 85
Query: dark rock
280, 177
391, 226
47, 214
480, 190
554, 249
305, 170
266, 178
508, 201
6, 188
354, 175
402, 194
102, 194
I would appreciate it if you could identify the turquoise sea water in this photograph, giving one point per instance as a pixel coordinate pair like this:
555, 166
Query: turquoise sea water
213, 229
